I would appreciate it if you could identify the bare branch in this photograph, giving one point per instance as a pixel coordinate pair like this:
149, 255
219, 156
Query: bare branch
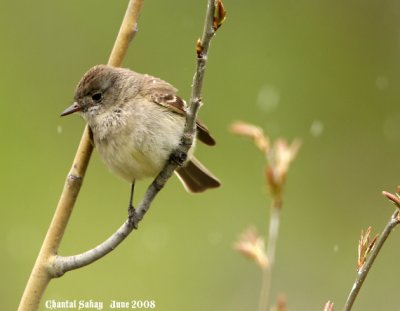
273, 234
202, 47
363, 272
64, 264
42, 271
126, 33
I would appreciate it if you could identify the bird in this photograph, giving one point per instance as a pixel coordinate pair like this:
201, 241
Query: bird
136, 123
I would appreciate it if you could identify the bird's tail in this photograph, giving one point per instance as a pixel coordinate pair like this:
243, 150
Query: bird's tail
196, 177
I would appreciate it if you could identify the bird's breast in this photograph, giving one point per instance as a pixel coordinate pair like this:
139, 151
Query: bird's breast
136, 144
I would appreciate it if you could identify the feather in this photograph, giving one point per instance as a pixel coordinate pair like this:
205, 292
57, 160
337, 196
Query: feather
164, 94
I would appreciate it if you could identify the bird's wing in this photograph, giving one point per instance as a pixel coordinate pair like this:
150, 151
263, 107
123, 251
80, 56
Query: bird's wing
164, 94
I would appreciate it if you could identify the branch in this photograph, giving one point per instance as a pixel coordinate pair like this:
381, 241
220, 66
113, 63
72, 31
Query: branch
42, 273
363, 272
273, 232
63, 264
214, 18
126, 33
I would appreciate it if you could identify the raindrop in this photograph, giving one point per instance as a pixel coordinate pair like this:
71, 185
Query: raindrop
316, 128
335, 248
268, 98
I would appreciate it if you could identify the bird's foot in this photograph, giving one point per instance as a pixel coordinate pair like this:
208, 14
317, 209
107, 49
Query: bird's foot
178, 157
133, 217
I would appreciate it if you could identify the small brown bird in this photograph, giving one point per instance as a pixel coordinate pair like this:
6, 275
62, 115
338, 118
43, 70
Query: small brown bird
137, 121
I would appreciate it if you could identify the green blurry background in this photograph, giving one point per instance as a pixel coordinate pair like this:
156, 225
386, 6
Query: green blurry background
327, 72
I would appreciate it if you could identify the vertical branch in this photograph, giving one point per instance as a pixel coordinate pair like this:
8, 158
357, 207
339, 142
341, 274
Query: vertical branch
273, 231
279, 155
215, 16
126, 33
362, 274
202, 47
42, 271
271, 248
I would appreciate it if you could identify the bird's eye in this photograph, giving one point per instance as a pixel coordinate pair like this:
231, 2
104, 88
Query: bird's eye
97, 97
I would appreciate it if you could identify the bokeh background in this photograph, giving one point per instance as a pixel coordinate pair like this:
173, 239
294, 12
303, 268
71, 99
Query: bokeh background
327, 72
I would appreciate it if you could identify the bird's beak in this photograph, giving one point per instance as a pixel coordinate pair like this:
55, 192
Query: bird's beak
71, 109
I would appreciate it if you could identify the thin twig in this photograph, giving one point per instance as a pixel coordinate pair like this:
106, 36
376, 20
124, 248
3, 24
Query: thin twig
43, 271
64, 264
271, 248
363, 272
202, 47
